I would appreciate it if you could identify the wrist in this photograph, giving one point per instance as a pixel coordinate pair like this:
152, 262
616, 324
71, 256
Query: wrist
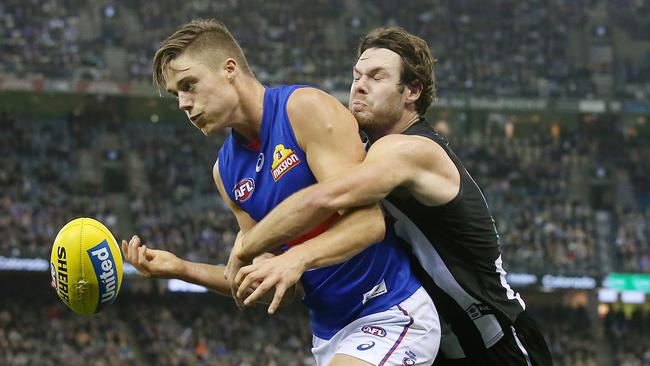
302, 257
240, 251
242, 256
183, 270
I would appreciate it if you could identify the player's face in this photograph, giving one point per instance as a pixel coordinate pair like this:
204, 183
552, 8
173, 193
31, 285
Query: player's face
377, 98
204, 92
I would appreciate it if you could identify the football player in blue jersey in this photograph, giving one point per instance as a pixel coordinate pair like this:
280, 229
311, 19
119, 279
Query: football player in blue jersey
367, 310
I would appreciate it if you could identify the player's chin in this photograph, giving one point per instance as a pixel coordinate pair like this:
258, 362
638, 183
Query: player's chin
209, 129
363, 118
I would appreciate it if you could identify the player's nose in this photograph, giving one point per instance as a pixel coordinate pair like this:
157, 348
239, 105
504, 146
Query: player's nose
185, 103
360, 86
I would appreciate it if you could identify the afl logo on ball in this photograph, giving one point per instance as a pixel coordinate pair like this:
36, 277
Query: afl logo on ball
244, 189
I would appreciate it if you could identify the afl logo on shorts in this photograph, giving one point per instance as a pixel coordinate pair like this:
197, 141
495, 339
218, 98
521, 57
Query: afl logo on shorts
244, 189
373, 330
283, 161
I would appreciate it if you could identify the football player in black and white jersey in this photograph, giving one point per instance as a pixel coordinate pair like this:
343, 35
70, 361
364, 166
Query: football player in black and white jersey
440, 211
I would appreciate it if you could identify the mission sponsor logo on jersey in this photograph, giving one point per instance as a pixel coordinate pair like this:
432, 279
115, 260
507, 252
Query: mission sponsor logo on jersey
244, 189
283, 161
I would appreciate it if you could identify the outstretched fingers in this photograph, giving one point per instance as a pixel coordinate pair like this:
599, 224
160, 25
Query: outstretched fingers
267, 284
135, 254
280, 290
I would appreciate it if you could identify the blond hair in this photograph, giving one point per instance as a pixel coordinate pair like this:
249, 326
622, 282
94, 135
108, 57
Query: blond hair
200, 36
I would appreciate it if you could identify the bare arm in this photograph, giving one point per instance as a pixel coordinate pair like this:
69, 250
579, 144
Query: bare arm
206, 275
328, 134
154, 263
413, 162
234, 264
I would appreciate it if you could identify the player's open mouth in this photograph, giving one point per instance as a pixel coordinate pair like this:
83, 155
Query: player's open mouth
196, 119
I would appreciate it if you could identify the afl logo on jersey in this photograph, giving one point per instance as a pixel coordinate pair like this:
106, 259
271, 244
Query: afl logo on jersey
244, 189
283, 161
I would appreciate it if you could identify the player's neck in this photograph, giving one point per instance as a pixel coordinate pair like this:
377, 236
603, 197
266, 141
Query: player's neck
407, 119
248, 116
377, 131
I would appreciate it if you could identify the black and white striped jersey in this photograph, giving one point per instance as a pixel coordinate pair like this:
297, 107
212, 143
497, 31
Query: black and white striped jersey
455, 250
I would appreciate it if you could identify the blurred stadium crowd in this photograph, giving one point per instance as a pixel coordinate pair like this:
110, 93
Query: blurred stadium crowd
550, 189
146, 330
497, 47
181, 330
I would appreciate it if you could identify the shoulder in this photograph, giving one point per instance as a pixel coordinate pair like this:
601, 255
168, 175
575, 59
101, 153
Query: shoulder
413, 148
306, 105
317, 117
310, 99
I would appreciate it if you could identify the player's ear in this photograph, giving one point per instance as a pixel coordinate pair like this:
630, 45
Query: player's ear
231, 68
414, 91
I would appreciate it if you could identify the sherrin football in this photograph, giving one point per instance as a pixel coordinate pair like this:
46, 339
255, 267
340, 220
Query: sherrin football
86, 266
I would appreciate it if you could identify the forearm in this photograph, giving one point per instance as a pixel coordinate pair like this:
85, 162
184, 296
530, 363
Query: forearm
207, 275
351, 234
212, 277
292, 218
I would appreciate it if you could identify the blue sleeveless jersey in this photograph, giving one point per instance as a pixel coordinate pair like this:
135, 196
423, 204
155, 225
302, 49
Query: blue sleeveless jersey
259, 177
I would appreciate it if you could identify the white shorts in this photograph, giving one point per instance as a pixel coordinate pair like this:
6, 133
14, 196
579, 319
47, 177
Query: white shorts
406, 334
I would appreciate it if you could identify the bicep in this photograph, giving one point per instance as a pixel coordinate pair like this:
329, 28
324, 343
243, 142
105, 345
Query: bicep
415, 163
326, 131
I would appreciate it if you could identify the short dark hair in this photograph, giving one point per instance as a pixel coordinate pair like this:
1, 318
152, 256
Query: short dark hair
199, 35
417, 62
